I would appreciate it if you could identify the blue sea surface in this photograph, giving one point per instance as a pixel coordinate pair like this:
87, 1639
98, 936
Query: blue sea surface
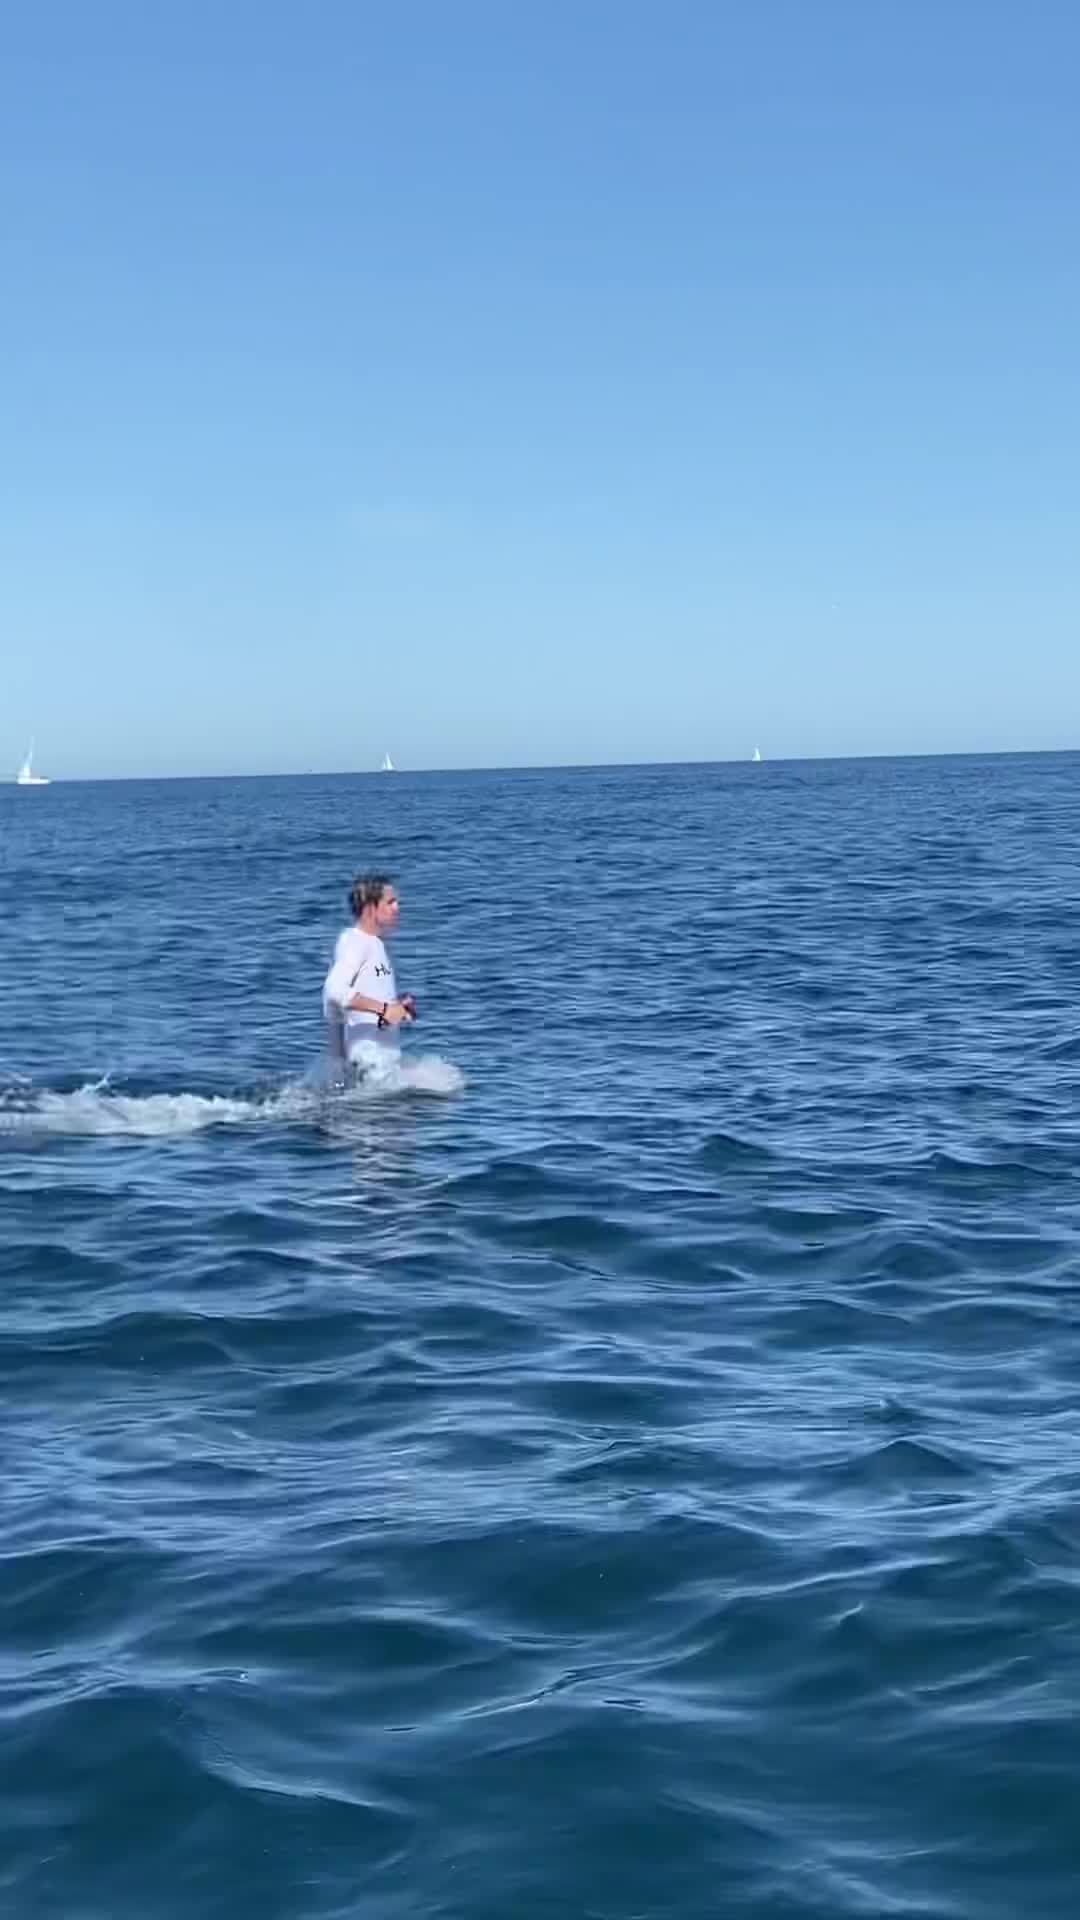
630, 1469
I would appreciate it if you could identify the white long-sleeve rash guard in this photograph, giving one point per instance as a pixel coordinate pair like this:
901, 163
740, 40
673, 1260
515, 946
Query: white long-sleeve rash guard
361, 964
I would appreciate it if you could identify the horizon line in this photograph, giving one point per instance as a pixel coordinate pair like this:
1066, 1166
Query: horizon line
562, 766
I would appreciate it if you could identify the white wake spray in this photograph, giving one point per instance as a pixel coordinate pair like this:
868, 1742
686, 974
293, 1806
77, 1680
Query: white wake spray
98, 1108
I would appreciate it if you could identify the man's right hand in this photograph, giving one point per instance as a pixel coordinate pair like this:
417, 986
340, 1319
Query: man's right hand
396, 1012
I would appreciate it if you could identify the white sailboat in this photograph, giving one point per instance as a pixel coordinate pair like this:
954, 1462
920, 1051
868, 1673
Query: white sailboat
387, 764
756, 755
26, 777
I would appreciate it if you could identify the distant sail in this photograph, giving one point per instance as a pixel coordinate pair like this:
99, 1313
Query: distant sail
756, 753
387, 764
26, 777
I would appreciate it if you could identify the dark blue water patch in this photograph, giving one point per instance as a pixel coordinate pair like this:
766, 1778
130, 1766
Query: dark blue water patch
642, 1482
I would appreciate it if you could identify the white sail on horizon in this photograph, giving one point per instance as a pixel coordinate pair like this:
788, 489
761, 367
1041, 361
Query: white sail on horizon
26, 777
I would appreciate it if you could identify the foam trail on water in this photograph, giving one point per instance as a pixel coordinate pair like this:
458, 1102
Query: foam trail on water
90, 1110
429, 1074
97, 1109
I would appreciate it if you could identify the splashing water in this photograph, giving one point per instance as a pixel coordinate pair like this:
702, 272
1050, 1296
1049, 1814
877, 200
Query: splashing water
97, 1108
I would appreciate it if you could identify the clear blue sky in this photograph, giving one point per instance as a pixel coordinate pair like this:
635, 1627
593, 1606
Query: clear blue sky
580, 381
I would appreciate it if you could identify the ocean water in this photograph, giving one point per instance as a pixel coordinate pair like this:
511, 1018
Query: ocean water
631, 1468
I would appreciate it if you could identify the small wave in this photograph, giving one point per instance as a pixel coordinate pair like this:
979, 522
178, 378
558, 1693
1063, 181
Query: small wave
721, 1151
98, 1108
1067, 1049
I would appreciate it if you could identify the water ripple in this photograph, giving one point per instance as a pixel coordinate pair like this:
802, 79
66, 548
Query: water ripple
641, 1484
